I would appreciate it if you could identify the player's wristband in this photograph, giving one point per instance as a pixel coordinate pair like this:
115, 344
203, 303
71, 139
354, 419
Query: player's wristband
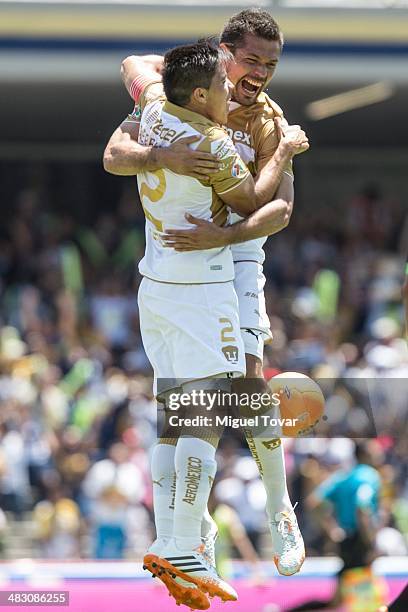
141, 82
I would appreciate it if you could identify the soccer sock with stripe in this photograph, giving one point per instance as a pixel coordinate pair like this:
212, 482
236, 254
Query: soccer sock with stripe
270, 460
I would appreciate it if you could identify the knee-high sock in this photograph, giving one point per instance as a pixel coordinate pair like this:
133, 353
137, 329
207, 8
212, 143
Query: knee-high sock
164, 488
195, 469
270, 460
164, 493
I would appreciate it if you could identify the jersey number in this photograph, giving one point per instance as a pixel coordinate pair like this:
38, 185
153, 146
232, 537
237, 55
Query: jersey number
153, 194
227, 329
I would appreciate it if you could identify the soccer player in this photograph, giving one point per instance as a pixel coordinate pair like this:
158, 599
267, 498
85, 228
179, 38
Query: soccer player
353, 497
187, 303
267, 144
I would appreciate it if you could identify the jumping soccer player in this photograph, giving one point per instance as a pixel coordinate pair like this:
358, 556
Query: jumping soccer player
181, 294
265, 142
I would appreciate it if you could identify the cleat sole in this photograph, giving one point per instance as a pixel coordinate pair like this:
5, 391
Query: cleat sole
276, 560
189, 596
209, 588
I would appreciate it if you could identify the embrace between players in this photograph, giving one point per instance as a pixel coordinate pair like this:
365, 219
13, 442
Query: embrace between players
211, 195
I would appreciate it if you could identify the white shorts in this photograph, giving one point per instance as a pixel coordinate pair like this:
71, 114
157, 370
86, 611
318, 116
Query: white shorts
249, 285
190, 332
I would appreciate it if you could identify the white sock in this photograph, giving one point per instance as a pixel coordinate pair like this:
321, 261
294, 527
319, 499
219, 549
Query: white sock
195, 469
270, 460
208, 525
164, 480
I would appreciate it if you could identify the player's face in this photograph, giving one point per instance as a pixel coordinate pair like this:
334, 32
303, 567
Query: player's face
254, 66
219, 94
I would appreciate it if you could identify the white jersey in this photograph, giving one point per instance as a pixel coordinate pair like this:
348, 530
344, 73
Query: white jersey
252, 130
166, 197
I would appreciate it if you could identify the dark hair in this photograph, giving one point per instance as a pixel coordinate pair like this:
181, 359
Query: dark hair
250, 21
187, 67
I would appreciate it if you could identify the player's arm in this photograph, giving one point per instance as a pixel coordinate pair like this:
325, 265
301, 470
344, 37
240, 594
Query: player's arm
241, 199
267, 220
124, 156
322, 510
135, 65
246, 197
280, 143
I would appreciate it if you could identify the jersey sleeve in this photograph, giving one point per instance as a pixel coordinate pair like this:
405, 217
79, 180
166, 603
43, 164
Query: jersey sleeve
146, 88
233, 171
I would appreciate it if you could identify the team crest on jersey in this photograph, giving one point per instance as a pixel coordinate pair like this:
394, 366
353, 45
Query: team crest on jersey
231, 353
236, 169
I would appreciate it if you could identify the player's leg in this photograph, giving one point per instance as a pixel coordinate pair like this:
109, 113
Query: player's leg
163, 473
204, 338
164, 489
185, 558
267, 450
152, 329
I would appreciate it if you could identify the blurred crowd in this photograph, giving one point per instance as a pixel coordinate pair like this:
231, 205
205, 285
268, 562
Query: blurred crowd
77, 416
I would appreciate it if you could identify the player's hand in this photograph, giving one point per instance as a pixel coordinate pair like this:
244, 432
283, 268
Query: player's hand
292, 138
179, 158
151, 62
156, 62
205, 235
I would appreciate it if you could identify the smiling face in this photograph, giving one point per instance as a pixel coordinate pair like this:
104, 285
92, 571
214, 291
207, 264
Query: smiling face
255, 63
218, 96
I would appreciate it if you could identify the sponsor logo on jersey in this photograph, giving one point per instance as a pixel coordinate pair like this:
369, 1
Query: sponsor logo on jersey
239, 136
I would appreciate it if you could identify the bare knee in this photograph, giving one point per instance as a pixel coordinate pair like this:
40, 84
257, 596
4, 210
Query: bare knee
254, 366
